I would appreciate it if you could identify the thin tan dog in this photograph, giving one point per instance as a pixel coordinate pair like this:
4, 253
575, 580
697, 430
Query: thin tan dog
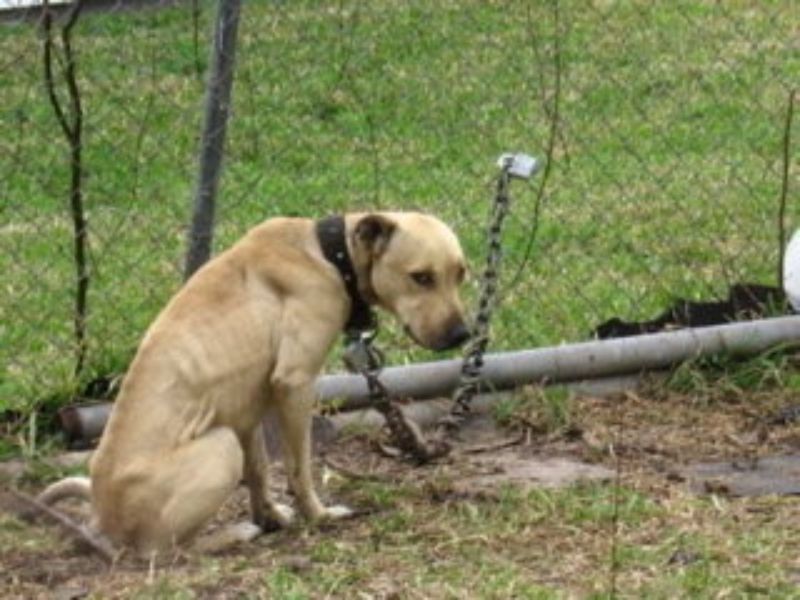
250, 331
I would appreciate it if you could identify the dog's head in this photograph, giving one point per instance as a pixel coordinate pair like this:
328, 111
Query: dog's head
413, 266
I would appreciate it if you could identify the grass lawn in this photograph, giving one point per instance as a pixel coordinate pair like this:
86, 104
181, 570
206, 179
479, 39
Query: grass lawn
666, 163
435, 532
664, 183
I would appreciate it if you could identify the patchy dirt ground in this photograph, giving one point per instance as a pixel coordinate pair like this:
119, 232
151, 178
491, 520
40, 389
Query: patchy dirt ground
476, 526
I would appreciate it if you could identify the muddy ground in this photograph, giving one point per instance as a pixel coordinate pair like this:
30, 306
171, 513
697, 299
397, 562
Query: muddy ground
488, 522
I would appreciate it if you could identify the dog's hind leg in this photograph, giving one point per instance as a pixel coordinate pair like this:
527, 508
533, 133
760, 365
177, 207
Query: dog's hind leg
184, 490
266, 513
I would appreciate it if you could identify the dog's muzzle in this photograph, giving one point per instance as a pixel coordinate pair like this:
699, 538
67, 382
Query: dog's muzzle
453, 338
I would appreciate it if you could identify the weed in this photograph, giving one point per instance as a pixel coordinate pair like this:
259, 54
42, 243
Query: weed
283, 583
38, 471
163, 587
543, 410
727, 377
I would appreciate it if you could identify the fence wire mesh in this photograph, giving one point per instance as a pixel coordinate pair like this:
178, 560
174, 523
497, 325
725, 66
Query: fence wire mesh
662, 122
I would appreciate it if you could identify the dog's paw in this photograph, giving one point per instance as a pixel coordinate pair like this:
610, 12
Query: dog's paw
275, 516
338, 511
228, 537
282, 514
245, 531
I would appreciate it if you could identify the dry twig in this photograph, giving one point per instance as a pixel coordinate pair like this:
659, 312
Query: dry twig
82, 533
787, 138
71, 122
351, 474
480, 448
553, 114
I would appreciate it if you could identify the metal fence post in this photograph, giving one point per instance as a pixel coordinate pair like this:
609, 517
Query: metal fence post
218, 97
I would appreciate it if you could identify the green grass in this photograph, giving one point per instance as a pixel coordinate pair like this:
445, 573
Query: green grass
433, 532
723, 376
541, 544
664, 183
545, 410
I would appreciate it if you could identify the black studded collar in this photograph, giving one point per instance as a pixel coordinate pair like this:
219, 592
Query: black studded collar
332, 240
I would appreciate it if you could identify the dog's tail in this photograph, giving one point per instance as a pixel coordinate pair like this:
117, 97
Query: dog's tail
69, 487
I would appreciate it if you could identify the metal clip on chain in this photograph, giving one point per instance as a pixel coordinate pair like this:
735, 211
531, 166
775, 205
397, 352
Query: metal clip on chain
360, 355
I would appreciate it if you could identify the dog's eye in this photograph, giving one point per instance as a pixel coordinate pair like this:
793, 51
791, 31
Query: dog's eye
423, 278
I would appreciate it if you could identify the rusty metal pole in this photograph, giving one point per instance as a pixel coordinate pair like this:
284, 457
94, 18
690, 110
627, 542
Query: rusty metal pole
218, 101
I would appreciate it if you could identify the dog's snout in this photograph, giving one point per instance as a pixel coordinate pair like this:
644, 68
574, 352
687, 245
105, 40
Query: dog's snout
455, 336
458, 335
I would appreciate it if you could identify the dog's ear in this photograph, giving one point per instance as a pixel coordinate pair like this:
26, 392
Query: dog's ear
373, 233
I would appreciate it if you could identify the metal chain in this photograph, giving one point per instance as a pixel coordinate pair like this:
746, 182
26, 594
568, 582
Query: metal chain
364, 358
479, 340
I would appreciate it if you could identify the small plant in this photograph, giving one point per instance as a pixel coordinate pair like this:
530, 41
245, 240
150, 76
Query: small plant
722, 376
506, 408
283, 583
544, 410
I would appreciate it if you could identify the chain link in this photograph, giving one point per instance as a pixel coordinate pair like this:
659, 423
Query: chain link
364, 358
479, 340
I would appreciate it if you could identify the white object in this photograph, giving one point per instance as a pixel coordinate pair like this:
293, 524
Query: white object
518, 165
791, 271
11, 4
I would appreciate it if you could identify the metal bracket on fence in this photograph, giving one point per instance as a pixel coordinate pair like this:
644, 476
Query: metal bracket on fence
521, 166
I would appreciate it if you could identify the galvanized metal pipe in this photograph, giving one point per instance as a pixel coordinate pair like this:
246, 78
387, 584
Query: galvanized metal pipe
570, 362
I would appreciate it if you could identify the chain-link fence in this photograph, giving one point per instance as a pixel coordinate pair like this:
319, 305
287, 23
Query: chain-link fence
663, 125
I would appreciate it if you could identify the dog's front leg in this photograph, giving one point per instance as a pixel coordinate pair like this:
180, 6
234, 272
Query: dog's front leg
267, 513
295, 409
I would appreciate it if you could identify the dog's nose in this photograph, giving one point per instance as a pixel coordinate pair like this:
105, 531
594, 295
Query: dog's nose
457, 335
